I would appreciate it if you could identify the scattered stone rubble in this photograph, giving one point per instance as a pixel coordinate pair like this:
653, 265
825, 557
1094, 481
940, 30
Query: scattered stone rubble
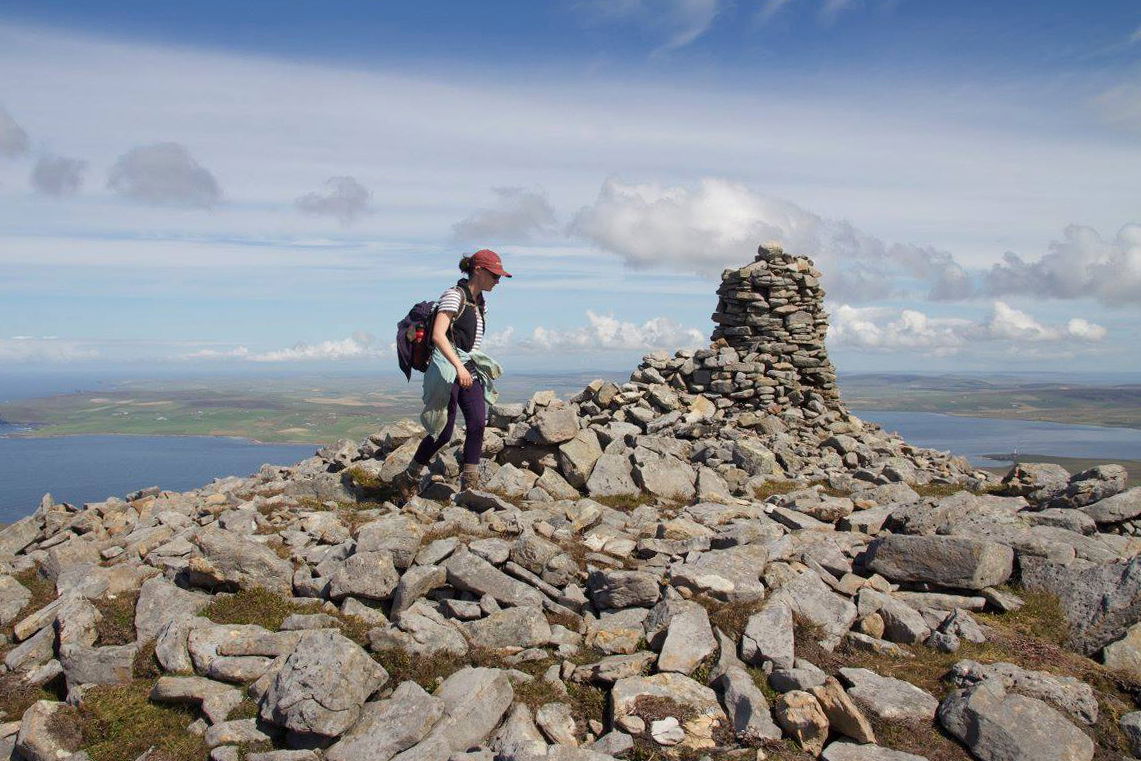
616, 534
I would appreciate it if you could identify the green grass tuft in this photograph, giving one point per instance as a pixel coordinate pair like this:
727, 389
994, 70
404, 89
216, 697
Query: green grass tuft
119, 722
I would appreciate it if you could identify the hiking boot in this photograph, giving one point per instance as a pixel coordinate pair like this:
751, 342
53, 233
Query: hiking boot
469, 479
406, 485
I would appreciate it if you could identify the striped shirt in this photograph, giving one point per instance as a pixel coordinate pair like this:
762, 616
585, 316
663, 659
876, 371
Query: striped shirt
450, 302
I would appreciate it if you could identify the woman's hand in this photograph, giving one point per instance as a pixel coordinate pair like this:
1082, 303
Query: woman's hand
464, 377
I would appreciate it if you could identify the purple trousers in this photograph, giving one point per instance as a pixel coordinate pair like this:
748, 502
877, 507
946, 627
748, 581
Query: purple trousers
471, 402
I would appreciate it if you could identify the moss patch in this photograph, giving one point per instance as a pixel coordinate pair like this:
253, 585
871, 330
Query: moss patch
626, 503
429, 672
729, 617
117, 626
17, 697
254, 606
119, 722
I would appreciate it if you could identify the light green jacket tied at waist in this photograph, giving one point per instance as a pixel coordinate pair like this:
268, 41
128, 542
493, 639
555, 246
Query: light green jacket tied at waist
438, 380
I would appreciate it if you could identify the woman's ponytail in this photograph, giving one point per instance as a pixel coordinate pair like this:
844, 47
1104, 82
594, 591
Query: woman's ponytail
466, 265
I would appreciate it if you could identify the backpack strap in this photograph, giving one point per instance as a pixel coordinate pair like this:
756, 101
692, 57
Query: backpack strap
463, 307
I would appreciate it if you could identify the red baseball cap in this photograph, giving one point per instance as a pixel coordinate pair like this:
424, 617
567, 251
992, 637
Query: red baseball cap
490, 261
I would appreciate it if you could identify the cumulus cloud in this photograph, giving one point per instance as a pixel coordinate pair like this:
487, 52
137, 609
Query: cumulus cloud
359, 345
713, 225
58, 175
1081, 265
44, 349
163, 173
886, 329
519, 214
602, 333
344, 198
13, 139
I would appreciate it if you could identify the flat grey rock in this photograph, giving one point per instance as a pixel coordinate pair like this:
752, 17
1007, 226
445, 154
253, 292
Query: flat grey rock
475, 700
768, 636
322, 685
999, 726
889, 698
957, 562
389, 726
396, 534
524, 626
843, 750
230, 561
370, 575
623, 589
471, 573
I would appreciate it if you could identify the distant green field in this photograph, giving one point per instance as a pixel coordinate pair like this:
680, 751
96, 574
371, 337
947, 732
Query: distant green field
322, 409
1116, 406
284, 410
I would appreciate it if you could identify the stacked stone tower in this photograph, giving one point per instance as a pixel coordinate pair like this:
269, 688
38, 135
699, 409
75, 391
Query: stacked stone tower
771, 313
767, 355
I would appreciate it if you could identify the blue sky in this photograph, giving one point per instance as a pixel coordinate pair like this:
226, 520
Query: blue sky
273, 183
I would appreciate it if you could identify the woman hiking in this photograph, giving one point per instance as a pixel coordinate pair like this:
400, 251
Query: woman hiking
459, 374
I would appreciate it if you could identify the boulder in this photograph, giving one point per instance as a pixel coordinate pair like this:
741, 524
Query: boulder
1066, 693
1037, 481
1100, 602
745, 703
322, 685
698, 711
768, 636
524, 626
957, 562
1119, 508
160, 602
553, 426
13, 597
844, 716
49, 731
623, 589
612, 477
1092, 485
689, 640
389, 726
397, 534
230, 561
663, 475
475, 700
215, 699
889, 698
368, 575
998, 726
471, 573
801, 717
576, 458
842, 750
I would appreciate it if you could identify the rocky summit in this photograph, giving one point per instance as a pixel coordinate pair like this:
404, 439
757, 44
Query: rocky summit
715, 559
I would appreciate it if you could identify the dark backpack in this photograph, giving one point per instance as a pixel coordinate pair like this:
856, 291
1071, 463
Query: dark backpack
414, 335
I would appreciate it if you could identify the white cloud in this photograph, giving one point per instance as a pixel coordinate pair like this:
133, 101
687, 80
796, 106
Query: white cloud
44, 349
163, 173
680, 21
1082, 265
13, 139
519, 215
359, 345
602, 333
719, 223
1081, 328
890, 330
58, 175
344, 198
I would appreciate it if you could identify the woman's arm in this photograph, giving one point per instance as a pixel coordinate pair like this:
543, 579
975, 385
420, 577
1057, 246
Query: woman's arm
440, 338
